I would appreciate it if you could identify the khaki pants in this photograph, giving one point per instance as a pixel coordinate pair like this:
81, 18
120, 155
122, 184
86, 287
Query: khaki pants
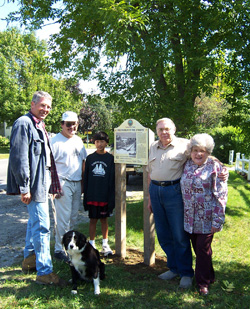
67, 207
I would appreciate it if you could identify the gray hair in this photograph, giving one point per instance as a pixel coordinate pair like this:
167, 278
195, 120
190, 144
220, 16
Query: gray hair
203, 140
38, 95
167, 120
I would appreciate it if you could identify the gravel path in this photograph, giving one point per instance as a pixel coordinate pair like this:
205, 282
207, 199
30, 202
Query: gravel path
13, 220
14, 217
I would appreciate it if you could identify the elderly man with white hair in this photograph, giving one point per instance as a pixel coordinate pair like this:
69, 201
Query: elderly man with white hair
167, 157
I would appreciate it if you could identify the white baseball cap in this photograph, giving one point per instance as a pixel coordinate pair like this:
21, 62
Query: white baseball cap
69, 116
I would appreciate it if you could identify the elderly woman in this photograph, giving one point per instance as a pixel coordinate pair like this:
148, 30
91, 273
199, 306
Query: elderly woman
205, 197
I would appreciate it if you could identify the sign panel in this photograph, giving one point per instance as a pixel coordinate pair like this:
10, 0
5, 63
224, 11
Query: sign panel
132, 143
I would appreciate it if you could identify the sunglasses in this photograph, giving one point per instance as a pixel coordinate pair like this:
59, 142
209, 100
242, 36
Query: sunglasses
70, 124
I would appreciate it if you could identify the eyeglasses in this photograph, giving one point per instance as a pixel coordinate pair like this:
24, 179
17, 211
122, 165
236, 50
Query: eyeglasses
70, 124
161, 130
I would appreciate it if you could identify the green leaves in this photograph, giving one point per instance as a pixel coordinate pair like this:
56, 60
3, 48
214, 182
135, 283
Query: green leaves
228, 287
172, 50
24, 69
96, 115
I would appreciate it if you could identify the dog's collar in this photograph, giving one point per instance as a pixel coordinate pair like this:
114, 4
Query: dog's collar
81, 250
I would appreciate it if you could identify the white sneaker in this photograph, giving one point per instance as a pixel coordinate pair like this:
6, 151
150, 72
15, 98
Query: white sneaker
92, 244
186, 282
168, 275
106, 250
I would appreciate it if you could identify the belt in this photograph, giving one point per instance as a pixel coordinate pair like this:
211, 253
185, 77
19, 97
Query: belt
165, 183
63, 178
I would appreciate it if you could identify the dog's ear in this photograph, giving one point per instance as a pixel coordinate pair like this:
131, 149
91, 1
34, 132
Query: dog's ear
63, 240
65, 237
81, 240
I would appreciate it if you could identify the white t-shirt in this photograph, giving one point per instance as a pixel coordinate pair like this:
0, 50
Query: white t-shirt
68, 154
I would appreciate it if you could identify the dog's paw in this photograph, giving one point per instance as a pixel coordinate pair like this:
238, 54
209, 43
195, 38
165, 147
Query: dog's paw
73, 292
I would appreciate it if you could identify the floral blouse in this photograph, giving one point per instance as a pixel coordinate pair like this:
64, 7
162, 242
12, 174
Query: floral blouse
204, 197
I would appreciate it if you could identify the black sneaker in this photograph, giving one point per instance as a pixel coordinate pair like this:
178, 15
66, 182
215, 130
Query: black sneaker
61, 256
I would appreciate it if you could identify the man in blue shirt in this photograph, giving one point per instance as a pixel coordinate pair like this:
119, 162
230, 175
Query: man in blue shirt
30, 173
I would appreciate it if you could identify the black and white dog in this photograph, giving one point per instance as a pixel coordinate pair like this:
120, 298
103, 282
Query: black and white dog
85, 262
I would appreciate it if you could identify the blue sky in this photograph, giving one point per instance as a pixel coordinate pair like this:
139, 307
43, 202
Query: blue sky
5, 9
43, 34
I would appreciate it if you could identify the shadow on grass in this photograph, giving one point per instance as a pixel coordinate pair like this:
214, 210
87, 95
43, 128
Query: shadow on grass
239, 183
232, 212
134, 220
245, 196
128, 284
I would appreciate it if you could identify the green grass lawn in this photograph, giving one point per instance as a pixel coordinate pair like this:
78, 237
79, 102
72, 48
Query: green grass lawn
137, 286
4, 152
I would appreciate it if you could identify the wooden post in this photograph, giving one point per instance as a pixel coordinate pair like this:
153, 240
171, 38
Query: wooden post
120, 209
149, 225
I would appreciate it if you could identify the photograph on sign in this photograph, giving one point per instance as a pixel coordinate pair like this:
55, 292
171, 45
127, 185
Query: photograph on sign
126, 143
131, 143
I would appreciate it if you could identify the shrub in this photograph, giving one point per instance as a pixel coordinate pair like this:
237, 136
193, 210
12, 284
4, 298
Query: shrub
228, 138
4, 141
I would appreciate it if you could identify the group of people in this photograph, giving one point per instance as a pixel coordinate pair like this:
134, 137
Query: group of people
40, 167
188, 194
187, 189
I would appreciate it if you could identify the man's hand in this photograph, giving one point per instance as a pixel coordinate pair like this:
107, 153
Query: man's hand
149, 200
224, 174
150, 207
57, 195
26, 198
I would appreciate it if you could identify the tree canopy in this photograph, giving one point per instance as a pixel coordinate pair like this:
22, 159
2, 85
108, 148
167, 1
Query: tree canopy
24, 69
174, 50
21, 70
96, 115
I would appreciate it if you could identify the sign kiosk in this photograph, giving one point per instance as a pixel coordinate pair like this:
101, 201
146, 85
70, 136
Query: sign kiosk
131, 146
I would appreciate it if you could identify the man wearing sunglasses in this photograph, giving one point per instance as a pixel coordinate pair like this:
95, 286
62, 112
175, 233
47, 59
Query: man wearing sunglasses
69, 154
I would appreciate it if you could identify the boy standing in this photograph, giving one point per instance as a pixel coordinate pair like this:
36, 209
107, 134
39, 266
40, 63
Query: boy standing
99, 189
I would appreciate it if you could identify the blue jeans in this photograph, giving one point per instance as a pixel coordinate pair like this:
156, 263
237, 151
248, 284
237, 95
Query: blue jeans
168, 212
38, 237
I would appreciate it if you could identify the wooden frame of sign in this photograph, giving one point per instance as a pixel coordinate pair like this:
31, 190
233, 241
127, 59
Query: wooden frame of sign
132, 129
